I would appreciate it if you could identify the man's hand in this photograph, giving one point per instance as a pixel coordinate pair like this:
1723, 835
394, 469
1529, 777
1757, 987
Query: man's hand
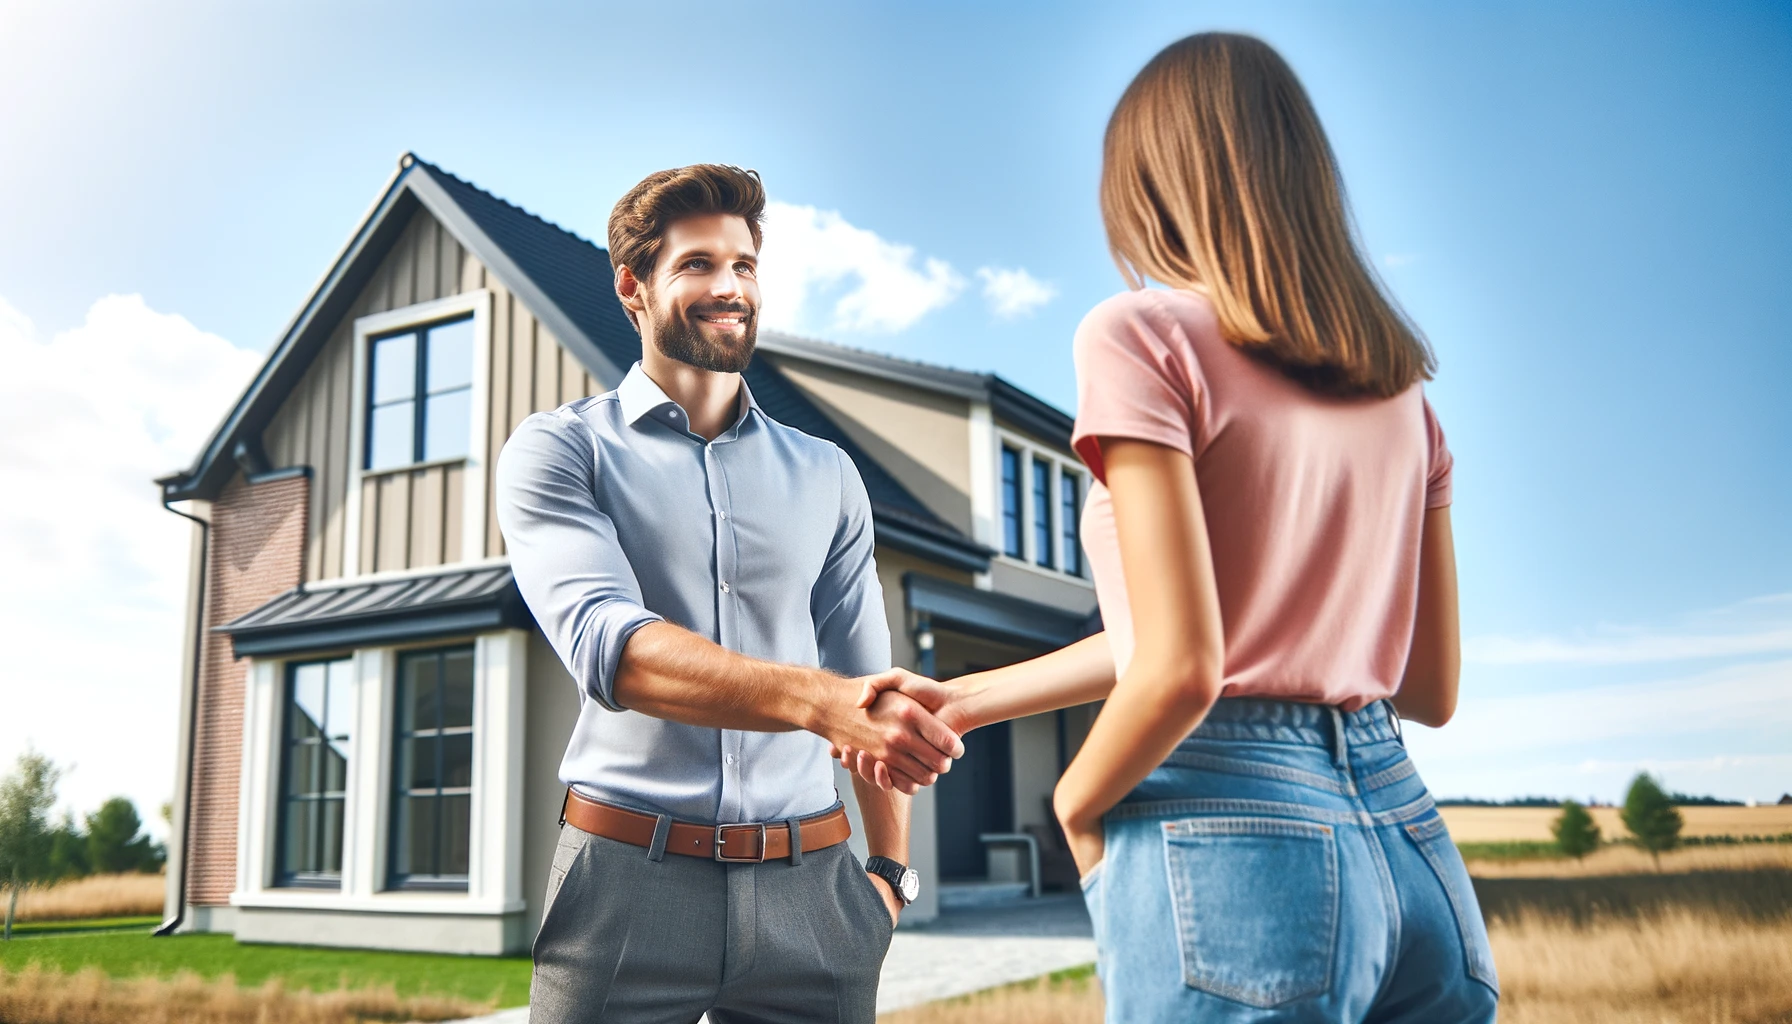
892, 902
911, 743
944, 700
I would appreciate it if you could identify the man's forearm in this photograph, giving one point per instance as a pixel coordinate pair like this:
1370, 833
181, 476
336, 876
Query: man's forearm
673, 674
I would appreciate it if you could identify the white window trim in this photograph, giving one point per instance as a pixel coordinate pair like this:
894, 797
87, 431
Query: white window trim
495, 862
473, 525
1060, 466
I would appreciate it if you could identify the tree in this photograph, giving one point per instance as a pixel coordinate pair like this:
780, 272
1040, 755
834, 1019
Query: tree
1577, 834
26, 841
68, 851
114, 842
1651, 817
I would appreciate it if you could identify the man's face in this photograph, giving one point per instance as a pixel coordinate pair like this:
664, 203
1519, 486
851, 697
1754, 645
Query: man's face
702, 301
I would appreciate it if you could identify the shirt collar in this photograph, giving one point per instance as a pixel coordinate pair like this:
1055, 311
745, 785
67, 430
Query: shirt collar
640, 396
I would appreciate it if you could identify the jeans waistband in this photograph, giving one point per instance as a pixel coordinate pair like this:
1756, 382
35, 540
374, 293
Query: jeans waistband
1286, 721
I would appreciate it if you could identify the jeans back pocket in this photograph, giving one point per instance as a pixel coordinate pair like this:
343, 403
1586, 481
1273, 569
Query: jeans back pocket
1432, 838
1256, 905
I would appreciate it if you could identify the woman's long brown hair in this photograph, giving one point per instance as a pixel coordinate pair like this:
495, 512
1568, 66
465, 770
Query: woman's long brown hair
1216, 176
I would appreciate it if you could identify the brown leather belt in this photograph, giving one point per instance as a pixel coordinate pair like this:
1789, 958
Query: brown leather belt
751, 843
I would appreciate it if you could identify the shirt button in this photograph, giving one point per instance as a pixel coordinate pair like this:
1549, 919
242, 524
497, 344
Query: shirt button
732, 759
725, 588
723, 513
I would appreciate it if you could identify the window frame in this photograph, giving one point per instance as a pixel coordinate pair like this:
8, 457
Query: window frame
395, 880
283, 876
1060, 466
1012, 487
478, 303
420, 393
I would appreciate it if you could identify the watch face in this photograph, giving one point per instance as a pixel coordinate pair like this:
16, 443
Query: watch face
911, 885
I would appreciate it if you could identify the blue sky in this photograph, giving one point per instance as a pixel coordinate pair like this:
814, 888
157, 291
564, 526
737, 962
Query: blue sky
1584, 207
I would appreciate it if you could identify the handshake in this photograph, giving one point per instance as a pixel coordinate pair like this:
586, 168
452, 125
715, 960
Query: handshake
903, 731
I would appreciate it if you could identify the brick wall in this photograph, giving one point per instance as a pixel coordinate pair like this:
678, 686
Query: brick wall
257, 550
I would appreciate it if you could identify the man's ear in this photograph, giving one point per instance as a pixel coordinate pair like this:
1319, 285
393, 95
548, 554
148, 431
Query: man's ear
632, 294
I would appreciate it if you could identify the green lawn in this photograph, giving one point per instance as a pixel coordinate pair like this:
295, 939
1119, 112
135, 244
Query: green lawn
86, 924
135, 954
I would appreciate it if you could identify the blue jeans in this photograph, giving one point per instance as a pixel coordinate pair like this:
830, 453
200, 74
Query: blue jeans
1287, 864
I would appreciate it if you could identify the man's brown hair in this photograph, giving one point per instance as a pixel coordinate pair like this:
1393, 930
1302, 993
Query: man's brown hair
1217, 177
640, 218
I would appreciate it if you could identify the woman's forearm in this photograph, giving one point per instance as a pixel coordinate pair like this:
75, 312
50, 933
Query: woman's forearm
1075, 674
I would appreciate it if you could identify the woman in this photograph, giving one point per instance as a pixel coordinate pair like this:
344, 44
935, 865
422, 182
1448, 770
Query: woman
1270, 540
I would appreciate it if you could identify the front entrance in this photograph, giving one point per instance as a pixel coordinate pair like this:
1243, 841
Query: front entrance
975, 797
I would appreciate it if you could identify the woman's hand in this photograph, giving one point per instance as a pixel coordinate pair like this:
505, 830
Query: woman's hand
1084, 833
945, 700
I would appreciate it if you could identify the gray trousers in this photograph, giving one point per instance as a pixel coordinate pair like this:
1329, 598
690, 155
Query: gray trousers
630, 940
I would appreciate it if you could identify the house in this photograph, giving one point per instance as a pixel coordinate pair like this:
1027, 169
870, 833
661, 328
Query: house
372, 723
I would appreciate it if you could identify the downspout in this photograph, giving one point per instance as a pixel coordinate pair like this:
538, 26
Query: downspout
186, 816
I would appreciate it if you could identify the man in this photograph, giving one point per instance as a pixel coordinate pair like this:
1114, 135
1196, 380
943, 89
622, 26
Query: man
706, 574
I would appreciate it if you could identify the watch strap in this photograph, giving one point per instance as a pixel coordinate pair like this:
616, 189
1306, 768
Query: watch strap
890, 871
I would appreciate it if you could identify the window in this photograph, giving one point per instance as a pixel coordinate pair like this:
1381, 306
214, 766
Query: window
319, 710
433, 770
1070, 487
1011, 536
1042, 512
420, 395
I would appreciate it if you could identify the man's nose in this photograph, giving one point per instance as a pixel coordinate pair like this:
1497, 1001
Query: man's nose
726, 285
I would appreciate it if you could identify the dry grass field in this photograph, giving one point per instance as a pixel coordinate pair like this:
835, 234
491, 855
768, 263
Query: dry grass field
33, 996
1496, 824
130, 895
1677, 969
1628, 860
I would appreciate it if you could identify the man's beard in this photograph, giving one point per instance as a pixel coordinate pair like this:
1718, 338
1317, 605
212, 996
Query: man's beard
680, 336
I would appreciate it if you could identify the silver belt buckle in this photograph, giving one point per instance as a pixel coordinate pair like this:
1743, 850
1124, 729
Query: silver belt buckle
751, 859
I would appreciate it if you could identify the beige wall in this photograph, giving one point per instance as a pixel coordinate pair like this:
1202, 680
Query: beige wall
922, 437
411, 518
551, 709
1046, 588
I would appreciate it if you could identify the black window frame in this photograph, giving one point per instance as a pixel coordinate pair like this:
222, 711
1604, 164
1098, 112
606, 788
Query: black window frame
284, 876
420, 393
1013, 539
1045, 533
414, 881
1070, 507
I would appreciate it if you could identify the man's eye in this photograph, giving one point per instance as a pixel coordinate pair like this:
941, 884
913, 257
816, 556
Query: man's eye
744, 268
696, 264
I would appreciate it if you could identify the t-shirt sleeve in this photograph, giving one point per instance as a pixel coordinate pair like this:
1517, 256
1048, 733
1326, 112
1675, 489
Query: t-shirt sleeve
1442, 464
1136, 378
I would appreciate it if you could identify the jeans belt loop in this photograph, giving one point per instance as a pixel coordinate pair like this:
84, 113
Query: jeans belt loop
1340, 745
795, 825
662, 827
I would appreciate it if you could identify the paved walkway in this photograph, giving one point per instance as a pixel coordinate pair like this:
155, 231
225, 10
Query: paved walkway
965, 951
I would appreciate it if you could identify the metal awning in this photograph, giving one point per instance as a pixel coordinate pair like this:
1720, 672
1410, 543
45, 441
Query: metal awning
992, 616
382, 611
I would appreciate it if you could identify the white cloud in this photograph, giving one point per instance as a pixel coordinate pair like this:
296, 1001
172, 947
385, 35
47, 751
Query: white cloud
1013, 293
809, 252
1757, 627
95, 569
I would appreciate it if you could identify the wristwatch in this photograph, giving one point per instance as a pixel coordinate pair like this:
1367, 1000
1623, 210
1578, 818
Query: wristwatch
902, 878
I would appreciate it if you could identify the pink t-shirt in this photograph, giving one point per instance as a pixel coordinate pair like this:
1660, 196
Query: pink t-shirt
1314, 504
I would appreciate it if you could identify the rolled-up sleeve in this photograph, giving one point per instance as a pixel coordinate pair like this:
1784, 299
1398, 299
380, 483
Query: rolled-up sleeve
568, 564
852, 634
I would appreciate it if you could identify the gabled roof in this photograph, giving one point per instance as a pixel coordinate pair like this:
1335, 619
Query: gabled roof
1018, 406
564, 280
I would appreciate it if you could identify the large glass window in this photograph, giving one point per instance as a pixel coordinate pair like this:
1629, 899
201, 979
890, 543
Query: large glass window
420, 395
1070, 488
1011, 502
319, 712
432, 805
1042, 512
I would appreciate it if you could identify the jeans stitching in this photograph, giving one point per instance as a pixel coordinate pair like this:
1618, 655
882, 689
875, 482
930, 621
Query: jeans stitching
1388, 776
1270, 808
1182, 897
1241, 766
1480, 965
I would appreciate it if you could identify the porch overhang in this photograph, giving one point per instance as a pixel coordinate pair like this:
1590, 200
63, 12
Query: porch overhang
1003, 618
378, 612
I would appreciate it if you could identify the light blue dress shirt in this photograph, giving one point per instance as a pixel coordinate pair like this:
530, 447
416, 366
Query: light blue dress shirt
616, 515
